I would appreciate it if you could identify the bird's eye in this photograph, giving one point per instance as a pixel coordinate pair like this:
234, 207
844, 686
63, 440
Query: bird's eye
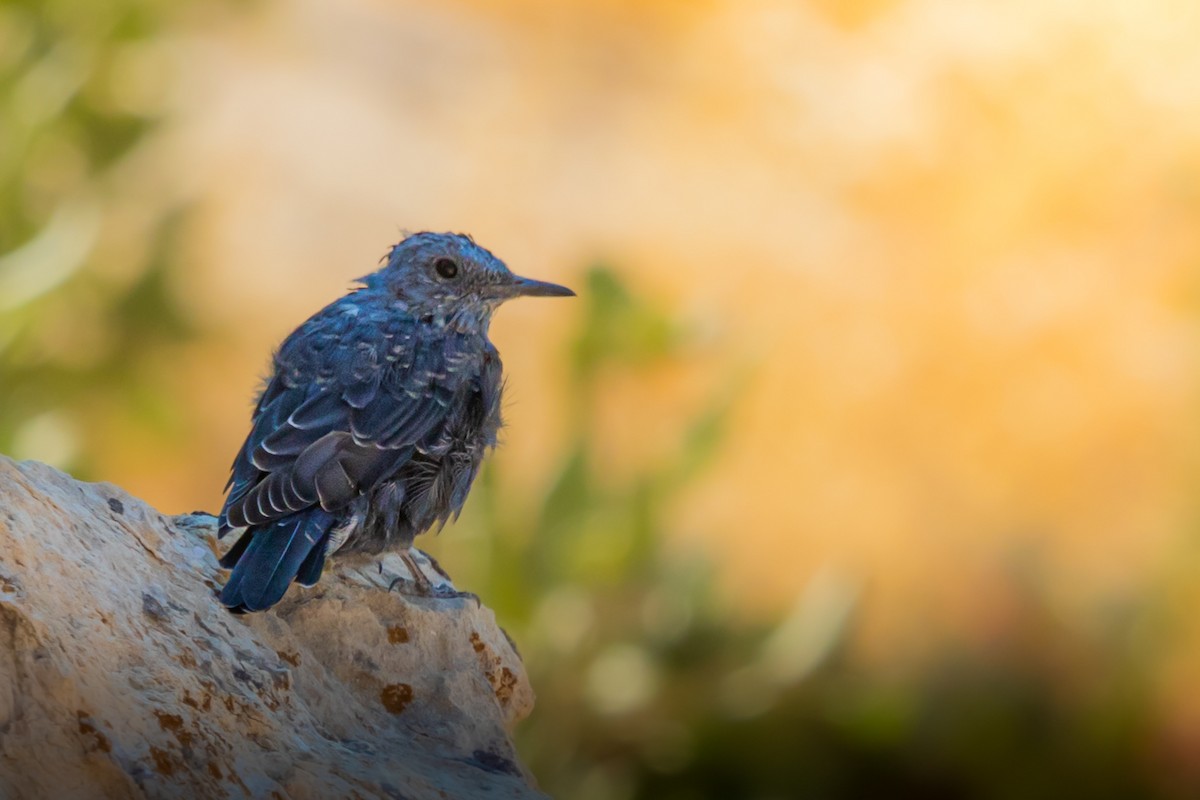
445, 268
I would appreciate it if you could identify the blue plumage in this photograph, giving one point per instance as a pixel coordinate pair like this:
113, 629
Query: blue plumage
375, 419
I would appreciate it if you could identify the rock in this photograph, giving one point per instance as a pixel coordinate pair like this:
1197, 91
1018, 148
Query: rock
122, 676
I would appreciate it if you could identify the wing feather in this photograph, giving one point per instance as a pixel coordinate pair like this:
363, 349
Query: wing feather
328, 430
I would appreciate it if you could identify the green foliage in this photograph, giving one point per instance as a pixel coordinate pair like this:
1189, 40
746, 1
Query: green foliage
616, 628
84, 261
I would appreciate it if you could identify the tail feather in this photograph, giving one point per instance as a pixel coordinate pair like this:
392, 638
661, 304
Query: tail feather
231, 557
310, 571
274, 554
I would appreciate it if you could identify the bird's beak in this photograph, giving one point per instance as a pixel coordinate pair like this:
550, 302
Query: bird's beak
528, 287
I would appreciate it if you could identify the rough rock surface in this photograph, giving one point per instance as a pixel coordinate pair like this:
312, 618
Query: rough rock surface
121, 676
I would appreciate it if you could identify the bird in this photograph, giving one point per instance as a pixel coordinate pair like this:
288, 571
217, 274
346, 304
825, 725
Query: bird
374, 420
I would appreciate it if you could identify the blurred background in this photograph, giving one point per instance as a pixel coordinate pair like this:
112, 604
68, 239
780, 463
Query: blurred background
865, 465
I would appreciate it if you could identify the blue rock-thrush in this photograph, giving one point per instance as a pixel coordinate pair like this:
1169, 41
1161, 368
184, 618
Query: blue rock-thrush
375, 418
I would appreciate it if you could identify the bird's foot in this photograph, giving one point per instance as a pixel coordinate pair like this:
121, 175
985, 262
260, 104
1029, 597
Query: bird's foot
411, 588
421, 586
440, 592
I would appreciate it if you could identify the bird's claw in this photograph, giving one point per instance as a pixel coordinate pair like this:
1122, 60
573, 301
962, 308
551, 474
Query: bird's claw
420, 585
424, 588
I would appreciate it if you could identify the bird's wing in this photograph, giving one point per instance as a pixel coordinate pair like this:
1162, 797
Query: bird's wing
346, 407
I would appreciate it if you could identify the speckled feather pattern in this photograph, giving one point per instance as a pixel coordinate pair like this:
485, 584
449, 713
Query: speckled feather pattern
373, 423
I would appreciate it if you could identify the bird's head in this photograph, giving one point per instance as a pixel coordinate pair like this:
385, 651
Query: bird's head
448, 275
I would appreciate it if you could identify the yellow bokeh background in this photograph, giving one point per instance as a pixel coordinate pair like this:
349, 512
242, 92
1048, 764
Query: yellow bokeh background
948, 252
955, 246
